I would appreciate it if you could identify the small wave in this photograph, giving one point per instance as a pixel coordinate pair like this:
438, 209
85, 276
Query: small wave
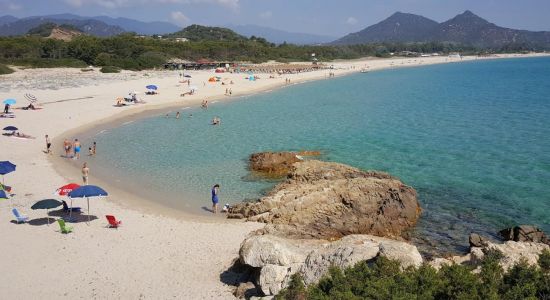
101, 132
215, 101
187, 107
129, 122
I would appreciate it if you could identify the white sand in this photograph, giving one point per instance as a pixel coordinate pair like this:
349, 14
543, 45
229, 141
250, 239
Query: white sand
157, 253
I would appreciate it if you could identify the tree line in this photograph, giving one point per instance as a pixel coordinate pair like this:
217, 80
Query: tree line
129, 51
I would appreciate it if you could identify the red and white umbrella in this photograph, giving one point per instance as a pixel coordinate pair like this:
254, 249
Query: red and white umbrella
66, 189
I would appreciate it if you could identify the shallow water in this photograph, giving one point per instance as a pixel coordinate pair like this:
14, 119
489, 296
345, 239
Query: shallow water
472, 138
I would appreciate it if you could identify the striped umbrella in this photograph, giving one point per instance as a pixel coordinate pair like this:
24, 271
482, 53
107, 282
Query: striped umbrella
32, 98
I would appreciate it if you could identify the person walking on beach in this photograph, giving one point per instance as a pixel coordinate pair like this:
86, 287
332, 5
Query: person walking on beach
48, 145
67, 147
94, 148
6, 108
76, 146
85, 172
215, 199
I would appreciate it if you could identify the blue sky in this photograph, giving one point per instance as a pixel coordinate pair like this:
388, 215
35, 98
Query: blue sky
333, 18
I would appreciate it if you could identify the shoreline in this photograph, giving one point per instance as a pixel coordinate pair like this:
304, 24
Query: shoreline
61, 165
185, 256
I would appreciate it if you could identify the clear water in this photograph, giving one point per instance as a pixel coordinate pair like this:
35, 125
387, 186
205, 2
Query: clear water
472, 138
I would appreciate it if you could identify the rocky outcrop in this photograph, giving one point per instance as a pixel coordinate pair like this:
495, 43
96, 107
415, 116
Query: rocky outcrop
277, 164
476, 240
279, 257
329, 200
512, 253
525, 233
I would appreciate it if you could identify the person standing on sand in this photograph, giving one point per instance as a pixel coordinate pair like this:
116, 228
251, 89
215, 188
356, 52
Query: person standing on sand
85, 172
48, 145
76, 146
215, 199
94, 148
67, 147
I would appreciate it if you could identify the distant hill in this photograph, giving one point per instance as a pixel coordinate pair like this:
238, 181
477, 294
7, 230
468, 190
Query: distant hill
99, 25
7, 19
92, 27
465, 29
280, 36
131, 25
60, 32
206, 33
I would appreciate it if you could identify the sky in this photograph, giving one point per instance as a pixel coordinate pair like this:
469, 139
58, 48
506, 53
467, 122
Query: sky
326, 17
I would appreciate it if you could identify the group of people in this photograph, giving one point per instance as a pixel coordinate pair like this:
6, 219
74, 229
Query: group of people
72, 150
228, 92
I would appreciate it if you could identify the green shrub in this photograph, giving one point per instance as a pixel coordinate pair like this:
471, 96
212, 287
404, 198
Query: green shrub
385, 279
5, 70
110, 69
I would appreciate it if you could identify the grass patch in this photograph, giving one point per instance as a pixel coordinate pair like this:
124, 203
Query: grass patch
110, 69
5, 70
49, 63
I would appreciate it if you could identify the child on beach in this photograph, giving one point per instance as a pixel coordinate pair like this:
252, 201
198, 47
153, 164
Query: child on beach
85, 172
48, 145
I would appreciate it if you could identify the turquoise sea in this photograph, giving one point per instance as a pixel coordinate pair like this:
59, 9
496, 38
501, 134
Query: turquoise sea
472, 138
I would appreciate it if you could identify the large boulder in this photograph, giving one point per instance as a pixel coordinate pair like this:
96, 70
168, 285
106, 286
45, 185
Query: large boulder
525, 233
273, 163
279, 258
328, 200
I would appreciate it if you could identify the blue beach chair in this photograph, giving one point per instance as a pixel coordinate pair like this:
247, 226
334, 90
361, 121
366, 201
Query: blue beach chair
20, 218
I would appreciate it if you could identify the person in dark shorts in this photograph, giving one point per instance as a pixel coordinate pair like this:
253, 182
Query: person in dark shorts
215, 199
48, 145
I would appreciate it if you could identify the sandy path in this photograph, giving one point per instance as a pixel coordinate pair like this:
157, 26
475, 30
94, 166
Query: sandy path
156, 254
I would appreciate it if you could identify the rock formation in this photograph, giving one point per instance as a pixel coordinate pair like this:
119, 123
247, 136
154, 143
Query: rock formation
277, 164
525, 233
278, 258
512, 252
328, 200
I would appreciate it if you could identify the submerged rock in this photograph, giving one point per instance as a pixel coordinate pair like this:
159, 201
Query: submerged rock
328, 200
525, 233
279, 258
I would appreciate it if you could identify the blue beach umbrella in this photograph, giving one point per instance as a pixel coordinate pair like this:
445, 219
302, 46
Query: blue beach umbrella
10, 101
3, 194
152, 87
5, 168
10, 128
87, 191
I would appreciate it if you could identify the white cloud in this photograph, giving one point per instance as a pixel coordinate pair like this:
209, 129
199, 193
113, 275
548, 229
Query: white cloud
179, 18
351, 21
104, 3
266, 14
13, 6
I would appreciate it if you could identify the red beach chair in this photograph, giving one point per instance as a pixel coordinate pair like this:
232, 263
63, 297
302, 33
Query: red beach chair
113, 223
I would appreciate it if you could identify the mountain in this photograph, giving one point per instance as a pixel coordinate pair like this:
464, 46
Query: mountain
206, 33
399, 27
465, 29
92, 27
280, 36
54, 31
131, 25
7, 19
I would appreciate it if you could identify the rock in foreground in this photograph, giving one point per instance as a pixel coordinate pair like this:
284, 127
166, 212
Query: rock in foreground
329, 200
278, 258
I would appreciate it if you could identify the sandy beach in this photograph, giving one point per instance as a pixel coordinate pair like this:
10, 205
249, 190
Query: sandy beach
158, 252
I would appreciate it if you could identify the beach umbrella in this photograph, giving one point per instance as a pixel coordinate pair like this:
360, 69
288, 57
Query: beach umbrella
5, 168
3, 194
10, 101
187, 76
66, 189
46, 204
152, 87
10, 128
193, 88
87, 191
32, 98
